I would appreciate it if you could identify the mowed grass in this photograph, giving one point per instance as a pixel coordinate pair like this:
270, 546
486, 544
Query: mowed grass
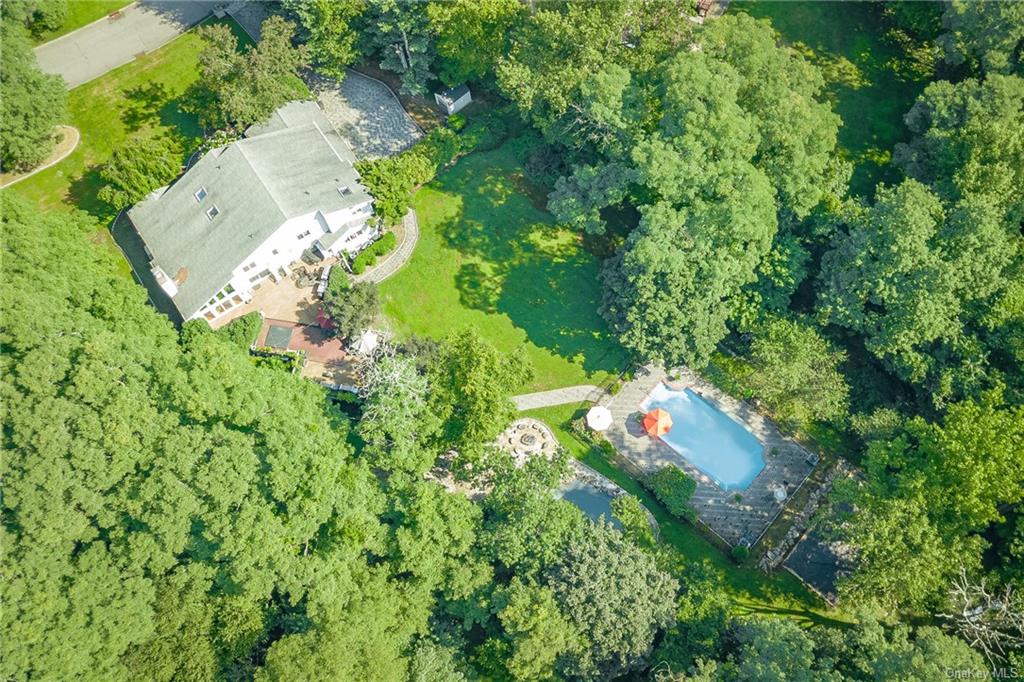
80, 13
753, 592
144, 95
490, 258
872, 81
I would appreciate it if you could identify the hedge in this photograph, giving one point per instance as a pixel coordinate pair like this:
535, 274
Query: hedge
242, 331
368, 256
673, 488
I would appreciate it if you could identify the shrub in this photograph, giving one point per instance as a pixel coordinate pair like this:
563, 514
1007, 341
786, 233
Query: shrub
485, 133
192, 330
673, 488
242, 331
456, 122
391, 180
740, 553
368, 256
137, 168
337, 282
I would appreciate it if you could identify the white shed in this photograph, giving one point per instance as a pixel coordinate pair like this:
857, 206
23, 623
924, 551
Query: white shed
454, 99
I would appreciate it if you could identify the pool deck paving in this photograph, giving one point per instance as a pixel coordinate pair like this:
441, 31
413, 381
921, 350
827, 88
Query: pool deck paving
786, 462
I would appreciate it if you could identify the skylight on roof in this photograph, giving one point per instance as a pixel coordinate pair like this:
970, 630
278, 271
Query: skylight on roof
201, 194
212, 212
345, 190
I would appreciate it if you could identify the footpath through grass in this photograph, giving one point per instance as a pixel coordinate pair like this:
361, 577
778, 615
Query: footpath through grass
871, 78
491, 258
80, 13
753, 592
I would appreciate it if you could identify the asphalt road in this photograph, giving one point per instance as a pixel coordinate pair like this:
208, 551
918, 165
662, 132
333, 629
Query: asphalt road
93, 50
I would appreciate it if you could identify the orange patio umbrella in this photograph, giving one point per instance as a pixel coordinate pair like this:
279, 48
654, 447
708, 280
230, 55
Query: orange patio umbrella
657, 422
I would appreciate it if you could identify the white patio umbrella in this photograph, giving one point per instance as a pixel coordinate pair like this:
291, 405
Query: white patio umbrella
599, 418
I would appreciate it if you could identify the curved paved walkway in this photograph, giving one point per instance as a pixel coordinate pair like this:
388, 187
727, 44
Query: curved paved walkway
397, 258
558, 396
61, 155
92, 50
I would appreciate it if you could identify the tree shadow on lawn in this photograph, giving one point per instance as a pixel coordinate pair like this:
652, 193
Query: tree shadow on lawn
517, 263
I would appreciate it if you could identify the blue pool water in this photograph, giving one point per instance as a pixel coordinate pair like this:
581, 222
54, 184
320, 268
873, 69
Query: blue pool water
593, 502
709, 439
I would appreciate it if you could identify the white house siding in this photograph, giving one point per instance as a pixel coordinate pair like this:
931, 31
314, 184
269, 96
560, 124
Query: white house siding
284, 247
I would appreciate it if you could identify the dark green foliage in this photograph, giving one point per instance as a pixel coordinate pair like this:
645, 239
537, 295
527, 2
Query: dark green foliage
471, 35
329, 32
32, 103
797, 373
485, 132
142, 165
352, 309
986, 36
368, 256
39, 16
401, 35
673, 488
613, 591
392, 179
337, 282
930, 489
731, 136
190, 484
471, 389
237, 89
242, 331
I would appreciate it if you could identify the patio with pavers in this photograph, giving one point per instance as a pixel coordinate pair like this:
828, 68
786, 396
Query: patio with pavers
366, 113
742, 521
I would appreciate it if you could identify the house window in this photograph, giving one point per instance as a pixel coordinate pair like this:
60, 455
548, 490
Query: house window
201, 194
209, 316
254, 278
229, 289
345, 191
304, 235
212, 212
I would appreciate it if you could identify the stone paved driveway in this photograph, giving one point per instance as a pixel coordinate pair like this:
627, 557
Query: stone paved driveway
366, 113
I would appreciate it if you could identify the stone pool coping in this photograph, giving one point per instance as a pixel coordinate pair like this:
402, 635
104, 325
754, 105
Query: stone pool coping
787, 463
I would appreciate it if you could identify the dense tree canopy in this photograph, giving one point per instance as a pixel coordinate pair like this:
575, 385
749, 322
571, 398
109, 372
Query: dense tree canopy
142, 165
237, 89
32, 103
331, 32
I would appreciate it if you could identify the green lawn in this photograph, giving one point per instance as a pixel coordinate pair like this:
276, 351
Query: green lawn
872, 80
80, 13
754, 592
489, 257
142, 95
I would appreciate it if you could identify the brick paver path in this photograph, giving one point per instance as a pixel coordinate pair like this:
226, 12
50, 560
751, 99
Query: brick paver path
397, 258
366, 113
558, 396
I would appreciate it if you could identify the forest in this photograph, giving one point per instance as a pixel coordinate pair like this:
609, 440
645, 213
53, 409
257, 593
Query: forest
174, 510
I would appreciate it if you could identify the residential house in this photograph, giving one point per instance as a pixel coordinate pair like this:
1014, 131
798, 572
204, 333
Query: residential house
242, 213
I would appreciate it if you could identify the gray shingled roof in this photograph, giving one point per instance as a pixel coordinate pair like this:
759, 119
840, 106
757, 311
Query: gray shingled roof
287, 168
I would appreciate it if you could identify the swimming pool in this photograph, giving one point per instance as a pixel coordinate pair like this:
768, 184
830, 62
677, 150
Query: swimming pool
709, 439
592, 501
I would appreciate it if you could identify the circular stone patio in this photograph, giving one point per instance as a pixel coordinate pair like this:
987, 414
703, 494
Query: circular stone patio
526, 438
